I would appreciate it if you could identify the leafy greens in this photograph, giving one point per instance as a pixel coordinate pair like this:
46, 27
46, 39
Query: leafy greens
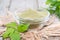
54, 7
13, 30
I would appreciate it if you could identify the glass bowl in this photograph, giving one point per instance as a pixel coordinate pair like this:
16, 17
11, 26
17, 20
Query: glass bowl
31, 20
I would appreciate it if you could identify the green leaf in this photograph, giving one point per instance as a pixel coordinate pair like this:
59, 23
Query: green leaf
50, 1
51, 11
13, 30
54, 3
57, 4
12, 24
58, 0
8, 31
59, 7
57, 12
23, 27
15, 36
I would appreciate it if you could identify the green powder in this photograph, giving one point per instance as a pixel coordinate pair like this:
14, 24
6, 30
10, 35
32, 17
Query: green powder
32, 14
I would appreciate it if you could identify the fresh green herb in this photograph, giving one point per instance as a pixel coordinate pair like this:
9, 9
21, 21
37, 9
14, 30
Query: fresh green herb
13, 30
15, 36
12, 24
22, 27
7, 33
54, 7
12, 34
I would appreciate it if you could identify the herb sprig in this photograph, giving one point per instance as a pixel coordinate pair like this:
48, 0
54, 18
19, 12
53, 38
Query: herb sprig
13, 30
54, 7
